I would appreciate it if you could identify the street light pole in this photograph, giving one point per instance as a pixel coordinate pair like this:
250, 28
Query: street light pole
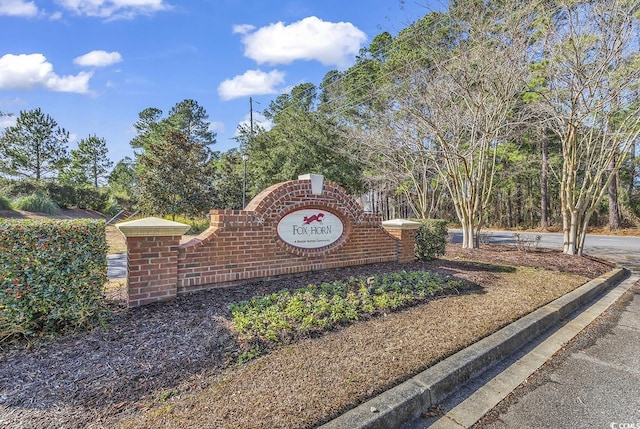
244, 180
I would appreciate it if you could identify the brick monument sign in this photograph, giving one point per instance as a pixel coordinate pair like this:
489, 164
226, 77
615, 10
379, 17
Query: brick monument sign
293, 227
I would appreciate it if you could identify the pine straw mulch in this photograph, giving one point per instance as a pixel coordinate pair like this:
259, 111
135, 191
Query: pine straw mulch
175, 364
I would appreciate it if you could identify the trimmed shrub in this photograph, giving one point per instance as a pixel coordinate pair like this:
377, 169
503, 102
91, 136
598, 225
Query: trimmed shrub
88, 197
38, 202
16, 188
82, 197
63, 195
5, 204
431, 239
51, 276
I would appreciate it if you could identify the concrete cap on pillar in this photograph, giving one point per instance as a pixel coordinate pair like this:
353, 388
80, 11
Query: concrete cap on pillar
317, 182
152, 227
401, 224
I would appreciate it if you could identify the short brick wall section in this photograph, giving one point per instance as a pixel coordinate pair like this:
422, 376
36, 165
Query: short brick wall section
265, 240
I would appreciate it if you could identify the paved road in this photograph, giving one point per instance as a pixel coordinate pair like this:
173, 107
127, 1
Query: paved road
595, 381
116, 265
623, 250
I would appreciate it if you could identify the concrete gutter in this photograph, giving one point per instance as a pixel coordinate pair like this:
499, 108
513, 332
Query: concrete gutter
405, 401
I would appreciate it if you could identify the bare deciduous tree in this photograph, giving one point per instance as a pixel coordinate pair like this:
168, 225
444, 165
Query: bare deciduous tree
456, 112
592, 71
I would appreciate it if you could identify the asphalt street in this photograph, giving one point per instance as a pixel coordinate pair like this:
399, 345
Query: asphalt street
116, 265
594, 381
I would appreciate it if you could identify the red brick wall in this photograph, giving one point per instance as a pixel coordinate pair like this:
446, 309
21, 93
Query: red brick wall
152, 265
406, 244
243, 245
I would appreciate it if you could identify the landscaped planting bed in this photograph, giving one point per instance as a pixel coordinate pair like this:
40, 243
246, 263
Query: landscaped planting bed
184, 363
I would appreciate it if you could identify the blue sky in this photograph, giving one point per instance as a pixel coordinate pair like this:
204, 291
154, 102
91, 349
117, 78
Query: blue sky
93, 65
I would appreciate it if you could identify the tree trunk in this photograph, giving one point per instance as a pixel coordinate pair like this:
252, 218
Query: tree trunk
544, 184
571, 235
614, 208
509, 210
468, 241
632, 171
518, 205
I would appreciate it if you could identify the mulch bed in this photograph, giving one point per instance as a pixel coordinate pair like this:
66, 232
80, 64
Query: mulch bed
144, 356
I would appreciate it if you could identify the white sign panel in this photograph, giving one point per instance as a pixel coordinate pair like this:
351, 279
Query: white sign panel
310, 228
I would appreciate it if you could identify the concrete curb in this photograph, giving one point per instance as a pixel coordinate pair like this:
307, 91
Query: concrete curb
405, 401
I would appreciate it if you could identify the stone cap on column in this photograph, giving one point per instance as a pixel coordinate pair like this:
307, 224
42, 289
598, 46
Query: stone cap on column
317, 182
401, 224
152, 227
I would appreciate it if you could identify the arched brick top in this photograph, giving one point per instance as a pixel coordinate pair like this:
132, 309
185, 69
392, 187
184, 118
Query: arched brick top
240, 245
280, 198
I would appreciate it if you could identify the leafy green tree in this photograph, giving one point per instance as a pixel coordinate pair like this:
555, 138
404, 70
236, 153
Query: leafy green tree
35, 147
174, 162
186, 117
175, 177
123, 181
91, 158
228, 179
303, 140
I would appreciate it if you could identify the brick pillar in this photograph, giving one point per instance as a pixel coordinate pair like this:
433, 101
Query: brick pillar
152, 259
405, 232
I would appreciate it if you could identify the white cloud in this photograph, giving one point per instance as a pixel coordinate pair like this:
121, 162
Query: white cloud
242, 28
309, 39
98, 59
7, 121
114, 9
252, 82
258, 121
216, 126
29, 71
18, 8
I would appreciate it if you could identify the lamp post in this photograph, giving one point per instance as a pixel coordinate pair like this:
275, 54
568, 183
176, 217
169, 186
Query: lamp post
244, 180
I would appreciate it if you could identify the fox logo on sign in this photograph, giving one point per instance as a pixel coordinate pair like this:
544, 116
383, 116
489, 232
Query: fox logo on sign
310, 228
308, 220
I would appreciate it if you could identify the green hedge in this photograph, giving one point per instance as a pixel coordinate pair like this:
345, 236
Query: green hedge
81, 196
51, 276
431, 239
64, 195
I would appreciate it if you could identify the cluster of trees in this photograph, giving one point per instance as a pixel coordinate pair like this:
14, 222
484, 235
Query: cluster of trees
504, 112
34, 157
494, 113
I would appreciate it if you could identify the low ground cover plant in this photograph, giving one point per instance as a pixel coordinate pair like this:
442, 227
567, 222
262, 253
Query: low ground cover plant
51, 276
285, 315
